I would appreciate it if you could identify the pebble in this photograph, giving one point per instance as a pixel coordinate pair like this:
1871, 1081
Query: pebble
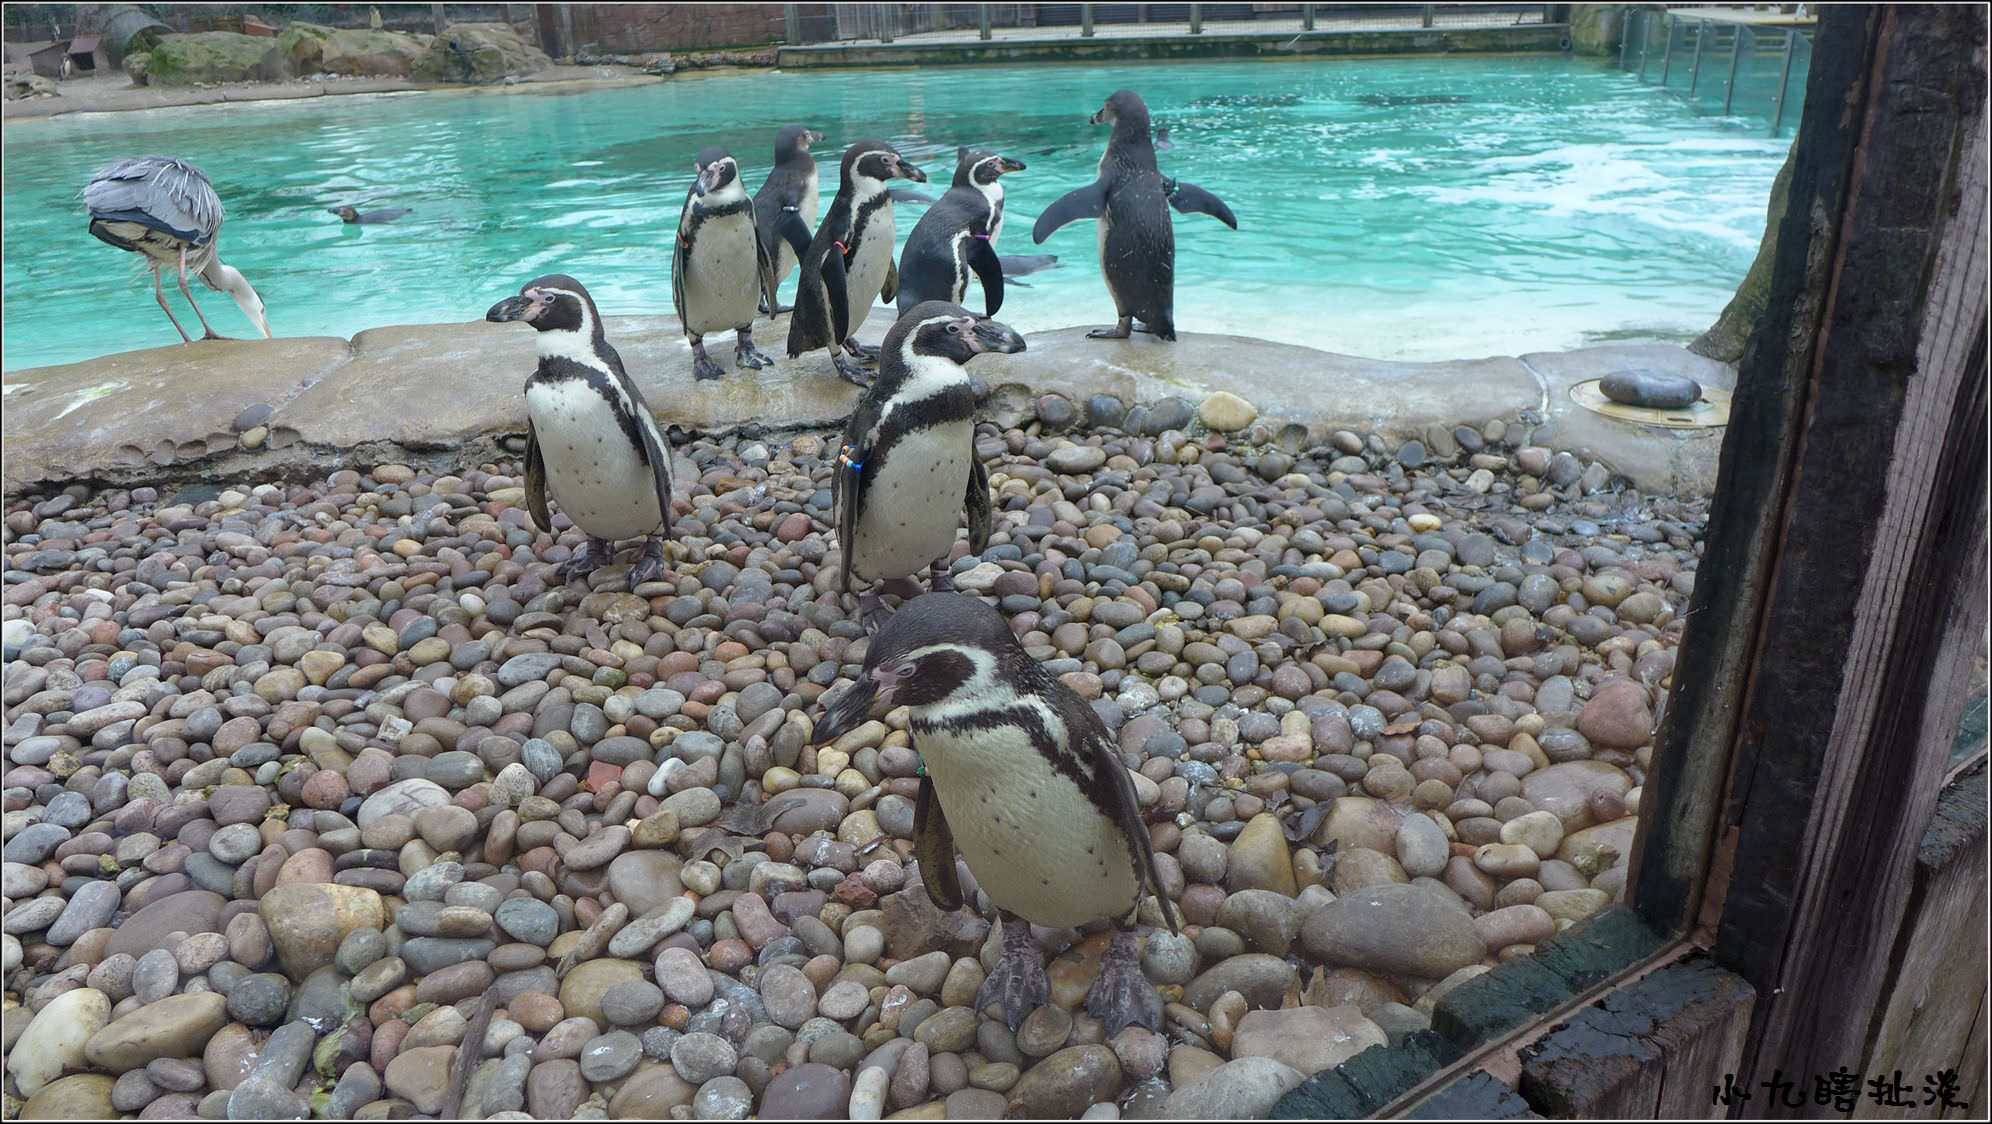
310, 752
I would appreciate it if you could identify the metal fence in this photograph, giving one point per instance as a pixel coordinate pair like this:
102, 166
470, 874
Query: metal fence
1721, 66
828, 23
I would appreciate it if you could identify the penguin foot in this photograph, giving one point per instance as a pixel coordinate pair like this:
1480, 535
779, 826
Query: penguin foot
703, 366
1121, 995
940, 579
863, 351
650, 564
872, 610
748, 357
1019, 982
595, 555
1117, 332
853, 372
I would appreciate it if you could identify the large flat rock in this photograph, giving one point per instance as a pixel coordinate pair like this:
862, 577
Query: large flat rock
447, 396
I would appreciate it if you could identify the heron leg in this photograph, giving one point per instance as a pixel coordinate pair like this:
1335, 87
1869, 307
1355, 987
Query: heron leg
189, 294
159, 293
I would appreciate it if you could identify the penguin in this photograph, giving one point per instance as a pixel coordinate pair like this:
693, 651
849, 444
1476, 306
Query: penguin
957, 235
719, 269
907, 466
1023, 265
1131, 198
353, 214
1023, 778
848, 265
785, 207
590, 436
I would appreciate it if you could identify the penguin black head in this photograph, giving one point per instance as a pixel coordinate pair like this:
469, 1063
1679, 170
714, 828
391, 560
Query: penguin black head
878, 160
553, 303
1126, 112
937, 646
717, 169
346, 211
947, 331
794, 139
979, 167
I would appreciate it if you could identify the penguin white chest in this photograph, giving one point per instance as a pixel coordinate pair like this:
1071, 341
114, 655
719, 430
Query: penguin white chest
722, 275
865, 275
1035, 843
912, 502
596, 473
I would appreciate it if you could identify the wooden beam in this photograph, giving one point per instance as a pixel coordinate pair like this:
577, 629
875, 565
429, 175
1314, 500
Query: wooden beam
1876, 596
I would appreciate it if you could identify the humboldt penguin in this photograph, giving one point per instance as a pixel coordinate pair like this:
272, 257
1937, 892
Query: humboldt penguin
958, 235
719, 269
1131, 198
907, 468
785, 207
1022, 776
590, 437
848, 265
352, 214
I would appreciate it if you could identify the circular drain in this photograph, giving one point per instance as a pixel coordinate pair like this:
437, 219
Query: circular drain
1707, 412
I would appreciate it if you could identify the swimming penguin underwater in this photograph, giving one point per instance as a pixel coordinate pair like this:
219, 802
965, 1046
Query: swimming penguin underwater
590, 437
848, 265
1022, 777
958, 235
1131, 198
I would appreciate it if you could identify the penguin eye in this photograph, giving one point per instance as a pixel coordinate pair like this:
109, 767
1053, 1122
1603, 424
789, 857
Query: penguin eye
905, 670
954, 327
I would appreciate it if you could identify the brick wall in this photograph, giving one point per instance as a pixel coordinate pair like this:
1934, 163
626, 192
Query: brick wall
623, 28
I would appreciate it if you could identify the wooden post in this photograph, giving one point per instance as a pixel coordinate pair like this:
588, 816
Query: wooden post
982, 21
1196, 19
792, 24
1843, 591
1085, 21
1425, 15
1307, 17
884, 23
437, 17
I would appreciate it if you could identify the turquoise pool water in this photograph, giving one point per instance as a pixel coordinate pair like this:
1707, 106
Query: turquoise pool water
1413, 208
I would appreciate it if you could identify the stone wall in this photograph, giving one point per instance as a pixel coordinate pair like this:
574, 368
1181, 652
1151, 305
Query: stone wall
616, 28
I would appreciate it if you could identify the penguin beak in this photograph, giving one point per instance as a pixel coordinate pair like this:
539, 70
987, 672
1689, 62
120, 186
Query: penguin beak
988, 335
1099, 116
511, 308
708, 178
911, 172
812, 136
1005, 164
850, 710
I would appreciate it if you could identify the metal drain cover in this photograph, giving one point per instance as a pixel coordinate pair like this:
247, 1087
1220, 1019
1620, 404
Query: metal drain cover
1707, 412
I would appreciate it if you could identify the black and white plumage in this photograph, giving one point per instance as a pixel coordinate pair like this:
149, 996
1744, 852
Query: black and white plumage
353, 215
590, 437
848, 264
1131, 198
719, 269
957, 236
1023, 778
907, 467
167, 210
785, 207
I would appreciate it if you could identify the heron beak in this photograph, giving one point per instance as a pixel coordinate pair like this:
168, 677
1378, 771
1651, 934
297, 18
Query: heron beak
511, 308
911, 172
1005, 164
988, 335
849, 712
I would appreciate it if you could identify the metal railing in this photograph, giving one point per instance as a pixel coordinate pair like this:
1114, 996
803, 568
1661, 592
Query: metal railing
829, 23
1721, 67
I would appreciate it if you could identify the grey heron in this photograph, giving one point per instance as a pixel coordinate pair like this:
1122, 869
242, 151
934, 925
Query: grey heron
167, 210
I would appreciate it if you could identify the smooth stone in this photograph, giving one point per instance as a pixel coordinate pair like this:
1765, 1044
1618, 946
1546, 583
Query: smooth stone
54, 1038
1658, 390
177, 1026
1414, 929
1242, 1089
189, 911
1066, 1083
810, 1091
1310, 1039
82, 1096
307, 921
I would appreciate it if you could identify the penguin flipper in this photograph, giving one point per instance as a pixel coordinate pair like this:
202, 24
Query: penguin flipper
536, 481
1189, 199
934, 846
1126, 811
979, 506
836, 293
908, 195
889, 292
1089, 202
791, 229
847, 484
764, 261
989, 270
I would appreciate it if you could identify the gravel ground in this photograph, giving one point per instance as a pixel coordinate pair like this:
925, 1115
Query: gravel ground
308, 787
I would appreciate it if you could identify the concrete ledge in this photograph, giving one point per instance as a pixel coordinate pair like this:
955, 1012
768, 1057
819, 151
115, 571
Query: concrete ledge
447, 396
1068, 47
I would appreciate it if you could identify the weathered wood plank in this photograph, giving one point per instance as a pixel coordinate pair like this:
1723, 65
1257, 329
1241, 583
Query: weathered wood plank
1368, 1081
1939, 991
1596, 1066
1877, 590
1477, 1096
1703, 1017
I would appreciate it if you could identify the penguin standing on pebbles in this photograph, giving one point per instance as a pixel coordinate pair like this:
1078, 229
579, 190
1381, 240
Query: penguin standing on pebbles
907, 467
1023, 777
1131, 198
785, 207
590, 436
848, 265
958, 236
719, 268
